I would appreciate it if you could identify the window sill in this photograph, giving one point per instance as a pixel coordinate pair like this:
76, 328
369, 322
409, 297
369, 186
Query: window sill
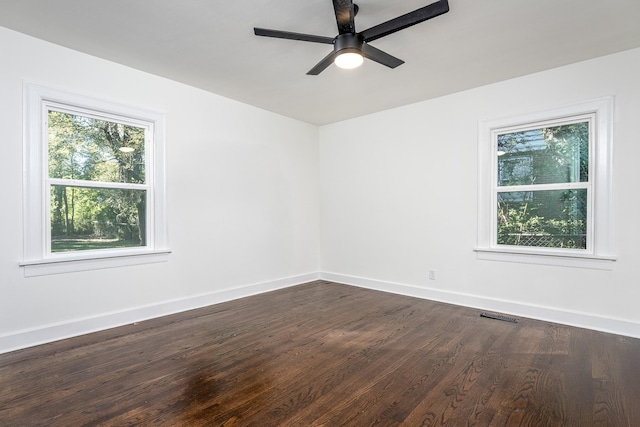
561, 259
59, 265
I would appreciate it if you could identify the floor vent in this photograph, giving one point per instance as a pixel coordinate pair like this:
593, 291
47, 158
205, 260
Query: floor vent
498, 317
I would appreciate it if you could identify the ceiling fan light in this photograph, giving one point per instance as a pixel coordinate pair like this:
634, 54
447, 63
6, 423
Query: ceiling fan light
349, 60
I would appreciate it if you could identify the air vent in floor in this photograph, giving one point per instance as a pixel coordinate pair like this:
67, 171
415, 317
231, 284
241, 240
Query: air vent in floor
498, 317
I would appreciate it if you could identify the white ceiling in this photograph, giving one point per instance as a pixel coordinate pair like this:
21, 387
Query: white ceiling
210, 44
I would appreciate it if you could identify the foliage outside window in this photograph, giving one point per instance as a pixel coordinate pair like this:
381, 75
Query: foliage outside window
94, 189
98, 193
544, 187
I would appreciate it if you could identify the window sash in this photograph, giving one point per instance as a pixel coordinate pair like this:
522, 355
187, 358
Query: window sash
580, 118
149, 131
96, 184
48, 106
588, 219
540, 187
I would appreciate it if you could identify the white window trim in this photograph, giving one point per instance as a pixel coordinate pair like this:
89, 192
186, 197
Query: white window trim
599, 254
37, 259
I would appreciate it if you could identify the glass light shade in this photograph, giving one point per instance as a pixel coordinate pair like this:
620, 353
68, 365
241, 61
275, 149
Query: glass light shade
349, 60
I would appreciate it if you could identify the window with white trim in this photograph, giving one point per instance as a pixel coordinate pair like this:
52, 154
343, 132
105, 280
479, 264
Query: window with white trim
545, 184
94, 184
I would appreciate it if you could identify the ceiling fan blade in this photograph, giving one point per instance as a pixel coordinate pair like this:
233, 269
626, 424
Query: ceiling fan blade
292, 36
401, 22
322, 65
345, 13
380, 57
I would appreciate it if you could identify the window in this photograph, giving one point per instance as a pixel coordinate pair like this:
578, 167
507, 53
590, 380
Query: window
94, 184
545, 182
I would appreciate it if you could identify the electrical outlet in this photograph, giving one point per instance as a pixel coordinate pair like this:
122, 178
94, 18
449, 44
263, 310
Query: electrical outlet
432, 274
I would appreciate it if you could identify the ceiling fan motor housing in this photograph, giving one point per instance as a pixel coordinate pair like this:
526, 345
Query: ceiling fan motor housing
348, 42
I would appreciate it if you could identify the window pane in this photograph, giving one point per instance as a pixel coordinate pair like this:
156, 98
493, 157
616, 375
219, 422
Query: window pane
553, 219
85, 148
96, 218
547, 155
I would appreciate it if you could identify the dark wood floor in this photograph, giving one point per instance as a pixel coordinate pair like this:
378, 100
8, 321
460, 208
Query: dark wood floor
324, 354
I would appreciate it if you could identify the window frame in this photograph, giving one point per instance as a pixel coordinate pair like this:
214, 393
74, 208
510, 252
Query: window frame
599, 251
38, 259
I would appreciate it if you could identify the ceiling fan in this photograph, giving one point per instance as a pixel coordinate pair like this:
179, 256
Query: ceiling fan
349, 46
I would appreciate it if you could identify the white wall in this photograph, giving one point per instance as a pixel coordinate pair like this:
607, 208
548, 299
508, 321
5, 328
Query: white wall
399, 197
242, 191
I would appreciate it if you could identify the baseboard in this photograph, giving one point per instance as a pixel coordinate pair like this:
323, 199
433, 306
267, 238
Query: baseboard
549, 314
55, 332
